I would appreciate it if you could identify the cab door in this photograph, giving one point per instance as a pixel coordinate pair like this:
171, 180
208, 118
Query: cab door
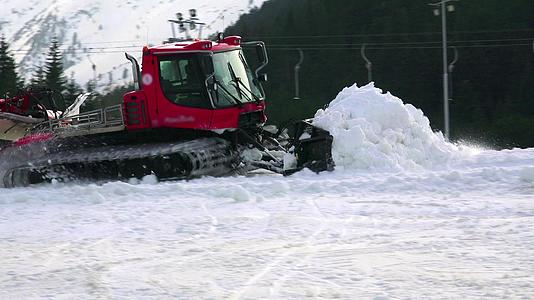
183, 101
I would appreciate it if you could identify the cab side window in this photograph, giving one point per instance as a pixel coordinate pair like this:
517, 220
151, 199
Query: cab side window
181, 81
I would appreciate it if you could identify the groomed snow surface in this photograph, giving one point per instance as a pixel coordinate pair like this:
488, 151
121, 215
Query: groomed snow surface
405, 215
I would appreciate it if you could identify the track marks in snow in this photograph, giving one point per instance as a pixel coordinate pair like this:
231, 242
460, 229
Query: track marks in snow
213, 219
457, 232
278, 262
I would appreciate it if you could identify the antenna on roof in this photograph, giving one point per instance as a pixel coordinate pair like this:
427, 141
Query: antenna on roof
185, 26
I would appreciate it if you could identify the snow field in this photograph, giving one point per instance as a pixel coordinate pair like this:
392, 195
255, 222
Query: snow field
404, 216
321, 236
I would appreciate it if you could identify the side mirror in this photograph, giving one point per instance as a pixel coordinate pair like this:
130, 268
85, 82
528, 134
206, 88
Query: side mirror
263, 58
261, 53
262, 77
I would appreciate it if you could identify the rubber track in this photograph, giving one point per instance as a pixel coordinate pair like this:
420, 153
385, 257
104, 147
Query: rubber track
208, 156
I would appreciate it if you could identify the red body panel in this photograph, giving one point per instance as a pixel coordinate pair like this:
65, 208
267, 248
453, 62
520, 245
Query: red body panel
229, 117
149, 108
135, 110
16, 105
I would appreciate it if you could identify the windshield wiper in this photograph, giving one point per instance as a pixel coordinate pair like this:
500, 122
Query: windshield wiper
236, 80
244, 62
237, 101
256, 98
239, 84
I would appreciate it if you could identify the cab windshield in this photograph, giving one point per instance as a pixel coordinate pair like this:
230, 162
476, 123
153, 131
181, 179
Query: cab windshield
235, 80
182, 81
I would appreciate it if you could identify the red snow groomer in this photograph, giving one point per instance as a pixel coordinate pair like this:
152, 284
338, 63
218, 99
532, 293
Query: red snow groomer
197, 109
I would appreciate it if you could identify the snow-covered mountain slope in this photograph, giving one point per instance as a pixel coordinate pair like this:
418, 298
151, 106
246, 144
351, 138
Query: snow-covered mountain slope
406, 215
99, 31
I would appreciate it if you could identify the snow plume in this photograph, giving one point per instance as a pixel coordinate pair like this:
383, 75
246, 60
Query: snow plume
373, 130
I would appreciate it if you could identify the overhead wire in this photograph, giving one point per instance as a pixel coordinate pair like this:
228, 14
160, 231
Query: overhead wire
389, 45
399, 47
408, 44
391, 34
327, 47
327, 36
463, 43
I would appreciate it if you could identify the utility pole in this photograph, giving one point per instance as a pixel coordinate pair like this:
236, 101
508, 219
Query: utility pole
444, 7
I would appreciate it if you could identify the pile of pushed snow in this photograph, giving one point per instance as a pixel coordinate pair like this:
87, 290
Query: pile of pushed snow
373, 130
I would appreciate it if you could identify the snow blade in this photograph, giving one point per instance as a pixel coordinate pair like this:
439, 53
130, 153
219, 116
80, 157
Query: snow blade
313, 148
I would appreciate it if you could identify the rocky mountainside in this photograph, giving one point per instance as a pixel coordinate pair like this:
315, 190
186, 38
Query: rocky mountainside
98, 32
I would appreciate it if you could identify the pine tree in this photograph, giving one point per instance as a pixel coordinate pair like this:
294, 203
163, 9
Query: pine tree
72, 91
90, 86
38, 78
9, 80
53, 70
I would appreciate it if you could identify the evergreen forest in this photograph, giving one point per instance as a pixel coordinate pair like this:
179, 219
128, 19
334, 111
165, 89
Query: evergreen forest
491, 83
